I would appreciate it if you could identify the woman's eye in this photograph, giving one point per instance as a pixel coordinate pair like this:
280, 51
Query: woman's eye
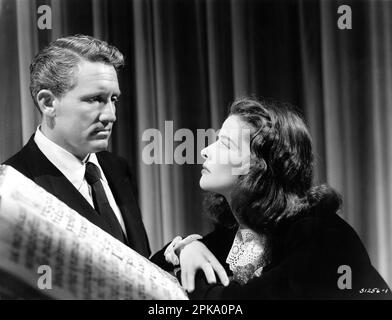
225, 143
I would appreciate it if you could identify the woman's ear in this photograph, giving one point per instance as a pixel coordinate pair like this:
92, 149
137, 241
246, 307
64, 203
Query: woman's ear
46, 103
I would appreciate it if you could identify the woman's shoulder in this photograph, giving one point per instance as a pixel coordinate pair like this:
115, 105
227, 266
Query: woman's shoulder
321, 246
328, 232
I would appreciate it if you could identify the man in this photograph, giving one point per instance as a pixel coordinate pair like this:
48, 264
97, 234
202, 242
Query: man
74, 85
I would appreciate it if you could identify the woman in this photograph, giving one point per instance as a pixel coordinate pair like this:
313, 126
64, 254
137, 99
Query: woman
276, 236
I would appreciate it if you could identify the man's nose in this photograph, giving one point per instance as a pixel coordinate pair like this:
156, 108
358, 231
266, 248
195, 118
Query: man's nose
108, 113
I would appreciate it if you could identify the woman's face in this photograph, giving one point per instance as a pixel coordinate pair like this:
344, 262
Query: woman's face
227, 158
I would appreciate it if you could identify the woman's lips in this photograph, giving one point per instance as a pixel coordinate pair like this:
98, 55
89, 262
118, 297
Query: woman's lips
205, 170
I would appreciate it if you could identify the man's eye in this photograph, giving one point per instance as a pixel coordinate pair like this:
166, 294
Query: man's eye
94, 99
115, 100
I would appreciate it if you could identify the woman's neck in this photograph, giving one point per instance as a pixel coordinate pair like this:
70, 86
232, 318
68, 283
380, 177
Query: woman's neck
235, 214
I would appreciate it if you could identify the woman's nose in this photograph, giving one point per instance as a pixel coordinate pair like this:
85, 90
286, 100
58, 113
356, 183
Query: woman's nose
204, 154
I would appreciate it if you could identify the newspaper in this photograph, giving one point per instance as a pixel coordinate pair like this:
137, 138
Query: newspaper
49, 250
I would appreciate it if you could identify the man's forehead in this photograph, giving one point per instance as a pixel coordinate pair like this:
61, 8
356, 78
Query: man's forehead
96, 70
96, 76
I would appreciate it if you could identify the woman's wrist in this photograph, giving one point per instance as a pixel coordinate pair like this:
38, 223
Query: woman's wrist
172, 252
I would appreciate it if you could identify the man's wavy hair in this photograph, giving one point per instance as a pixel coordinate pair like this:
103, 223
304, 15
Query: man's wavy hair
54, 67
278, 186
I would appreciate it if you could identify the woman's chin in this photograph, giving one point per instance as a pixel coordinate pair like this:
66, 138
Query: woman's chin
204, 185
201, 184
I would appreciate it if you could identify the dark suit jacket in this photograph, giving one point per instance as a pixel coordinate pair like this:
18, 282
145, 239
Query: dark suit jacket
306, 255
32, 163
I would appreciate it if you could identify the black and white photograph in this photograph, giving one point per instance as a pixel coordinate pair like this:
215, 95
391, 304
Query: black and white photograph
225, 150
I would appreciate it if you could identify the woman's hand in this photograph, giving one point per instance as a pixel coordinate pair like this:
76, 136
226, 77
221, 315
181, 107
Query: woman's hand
195, 256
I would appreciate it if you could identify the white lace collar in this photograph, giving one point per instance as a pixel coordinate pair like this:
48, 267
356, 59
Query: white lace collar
248, 256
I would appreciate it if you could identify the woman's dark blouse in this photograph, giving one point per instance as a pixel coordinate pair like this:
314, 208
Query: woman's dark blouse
307, 254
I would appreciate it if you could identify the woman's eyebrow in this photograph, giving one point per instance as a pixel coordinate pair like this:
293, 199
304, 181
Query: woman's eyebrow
229, 139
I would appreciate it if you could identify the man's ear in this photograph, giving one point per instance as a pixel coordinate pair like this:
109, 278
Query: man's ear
46, 102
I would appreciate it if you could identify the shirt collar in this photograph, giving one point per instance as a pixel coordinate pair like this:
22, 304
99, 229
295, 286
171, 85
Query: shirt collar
245, 234
248, 255
69, 165
93, 158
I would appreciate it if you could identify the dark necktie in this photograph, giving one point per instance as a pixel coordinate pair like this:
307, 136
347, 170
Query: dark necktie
101, 202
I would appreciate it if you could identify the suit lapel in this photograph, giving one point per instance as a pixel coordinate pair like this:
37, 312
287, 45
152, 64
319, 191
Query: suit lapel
46, 175
121, 187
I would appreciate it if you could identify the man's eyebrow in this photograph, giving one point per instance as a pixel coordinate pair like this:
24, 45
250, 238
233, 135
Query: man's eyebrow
104, 91
101, 92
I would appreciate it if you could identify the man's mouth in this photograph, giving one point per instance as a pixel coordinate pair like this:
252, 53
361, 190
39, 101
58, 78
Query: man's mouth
102, 132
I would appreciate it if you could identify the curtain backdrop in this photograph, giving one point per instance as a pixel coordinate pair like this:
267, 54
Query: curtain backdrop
187, 60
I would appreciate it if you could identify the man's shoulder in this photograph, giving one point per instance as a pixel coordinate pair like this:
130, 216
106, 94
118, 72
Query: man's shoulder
20, 160
16, 159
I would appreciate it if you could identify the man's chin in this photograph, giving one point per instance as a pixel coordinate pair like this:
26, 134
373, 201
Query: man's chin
99, 145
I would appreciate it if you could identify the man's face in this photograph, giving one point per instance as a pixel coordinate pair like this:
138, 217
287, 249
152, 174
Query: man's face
84, 116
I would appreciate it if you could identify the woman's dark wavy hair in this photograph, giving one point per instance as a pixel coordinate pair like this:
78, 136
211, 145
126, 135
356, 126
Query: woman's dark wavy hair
278, 186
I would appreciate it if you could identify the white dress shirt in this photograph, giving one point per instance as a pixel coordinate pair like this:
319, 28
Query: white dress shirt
74, 169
